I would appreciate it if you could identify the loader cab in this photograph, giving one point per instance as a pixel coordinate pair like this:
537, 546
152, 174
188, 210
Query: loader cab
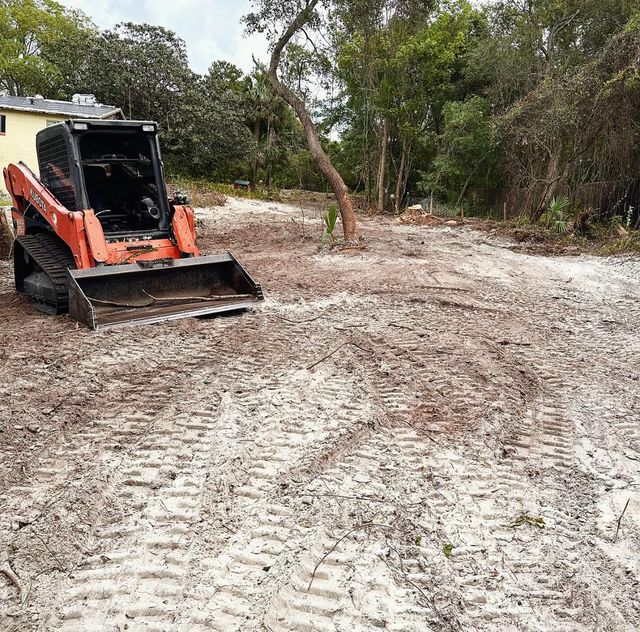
112, 167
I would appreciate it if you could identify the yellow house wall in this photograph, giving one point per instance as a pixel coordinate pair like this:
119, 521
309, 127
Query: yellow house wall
19, 141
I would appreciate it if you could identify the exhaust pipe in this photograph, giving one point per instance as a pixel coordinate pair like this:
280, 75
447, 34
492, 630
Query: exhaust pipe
153, 291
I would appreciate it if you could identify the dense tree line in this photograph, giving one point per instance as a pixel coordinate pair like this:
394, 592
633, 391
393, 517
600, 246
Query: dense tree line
441, 97
408, 96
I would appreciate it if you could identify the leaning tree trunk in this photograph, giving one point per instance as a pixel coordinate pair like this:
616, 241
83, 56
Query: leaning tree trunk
334, 179
382, 166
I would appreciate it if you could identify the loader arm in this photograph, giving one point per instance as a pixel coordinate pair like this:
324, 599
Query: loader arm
33, 201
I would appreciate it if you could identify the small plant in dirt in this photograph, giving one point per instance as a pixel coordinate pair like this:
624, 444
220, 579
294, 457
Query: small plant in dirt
523, 221
629, 218
556, 217
330, 219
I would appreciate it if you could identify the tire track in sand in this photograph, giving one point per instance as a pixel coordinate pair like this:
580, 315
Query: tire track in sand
234, 578
142, 544
148, 570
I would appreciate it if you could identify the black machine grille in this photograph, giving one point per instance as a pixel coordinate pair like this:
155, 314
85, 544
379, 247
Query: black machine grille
55, 170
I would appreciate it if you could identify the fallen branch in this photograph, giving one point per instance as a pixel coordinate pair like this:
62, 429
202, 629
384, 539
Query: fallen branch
347, 497
46, 546
445, 287
169, 299
401, 326
620, 519
344, 344
299, 322
53, 410
212, 297
362, 526
5, 569
117, 304
330, 551
505, 343
428, 598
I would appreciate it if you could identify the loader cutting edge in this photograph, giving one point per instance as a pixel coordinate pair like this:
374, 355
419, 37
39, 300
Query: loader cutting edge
155, 291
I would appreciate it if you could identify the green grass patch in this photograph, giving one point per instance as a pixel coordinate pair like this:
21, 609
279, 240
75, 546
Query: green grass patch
5, 201
629, 244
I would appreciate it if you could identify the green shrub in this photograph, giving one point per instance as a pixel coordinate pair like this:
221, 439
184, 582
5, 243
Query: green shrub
556, 217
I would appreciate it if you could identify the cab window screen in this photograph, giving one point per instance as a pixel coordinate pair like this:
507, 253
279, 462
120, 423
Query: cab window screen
109, 147
55, 171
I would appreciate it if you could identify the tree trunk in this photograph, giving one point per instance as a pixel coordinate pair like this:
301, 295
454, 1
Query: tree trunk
367, 182
270, 141
554, 175
400, 181
382, 165
369, 175
254, 160
334, 179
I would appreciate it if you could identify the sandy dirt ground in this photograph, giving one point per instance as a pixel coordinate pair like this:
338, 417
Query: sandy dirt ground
434, 433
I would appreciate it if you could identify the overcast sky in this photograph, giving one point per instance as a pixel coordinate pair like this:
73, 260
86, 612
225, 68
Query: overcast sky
211, 28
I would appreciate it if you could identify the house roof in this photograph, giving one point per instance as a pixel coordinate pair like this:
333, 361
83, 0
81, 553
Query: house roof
61, 108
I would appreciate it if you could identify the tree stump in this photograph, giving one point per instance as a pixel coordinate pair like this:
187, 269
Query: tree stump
6, 236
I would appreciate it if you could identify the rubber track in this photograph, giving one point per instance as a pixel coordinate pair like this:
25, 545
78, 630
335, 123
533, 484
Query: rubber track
53, 257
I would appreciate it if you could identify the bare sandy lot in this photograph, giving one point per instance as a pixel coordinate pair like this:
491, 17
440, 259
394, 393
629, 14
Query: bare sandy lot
433, 433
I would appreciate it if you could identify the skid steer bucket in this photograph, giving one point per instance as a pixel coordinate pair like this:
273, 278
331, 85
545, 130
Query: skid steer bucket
150, 292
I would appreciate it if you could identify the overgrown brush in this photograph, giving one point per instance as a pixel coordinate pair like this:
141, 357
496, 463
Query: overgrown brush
204, 193
625, 245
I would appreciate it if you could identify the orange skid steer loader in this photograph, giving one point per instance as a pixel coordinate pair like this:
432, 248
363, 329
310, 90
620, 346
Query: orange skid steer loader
97, 236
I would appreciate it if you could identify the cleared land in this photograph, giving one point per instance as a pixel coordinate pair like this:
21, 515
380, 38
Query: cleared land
436, 432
